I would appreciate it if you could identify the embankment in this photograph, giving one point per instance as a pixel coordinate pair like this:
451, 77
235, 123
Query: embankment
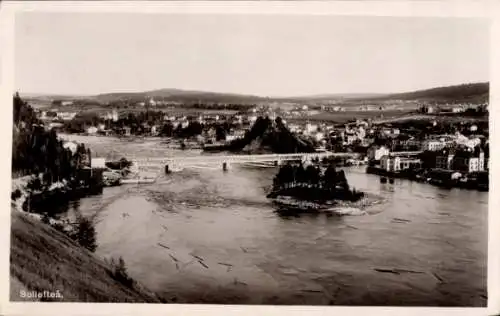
43, 259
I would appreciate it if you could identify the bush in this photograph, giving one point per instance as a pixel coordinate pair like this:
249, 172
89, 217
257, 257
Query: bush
45, 219
15, 195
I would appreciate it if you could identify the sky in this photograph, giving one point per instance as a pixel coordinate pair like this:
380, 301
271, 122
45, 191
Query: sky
283, 55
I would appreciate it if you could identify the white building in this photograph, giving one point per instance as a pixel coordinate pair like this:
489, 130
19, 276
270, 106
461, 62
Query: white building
433, 145
319, 136
92, 130
310, 128
395, 164
376, 153
71, 146
65, 116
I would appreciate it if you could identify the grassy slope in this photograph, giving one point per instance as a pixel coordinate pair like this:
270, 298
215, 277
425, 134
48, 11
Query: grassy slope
45, 259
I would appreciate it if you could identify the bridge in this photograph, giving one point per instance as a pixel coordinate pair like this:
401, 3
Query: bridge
404, 153
226, 160
173, 163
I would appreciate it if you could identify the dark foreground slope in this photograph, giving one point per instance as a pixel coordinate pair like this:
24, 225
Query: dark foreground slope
43, 259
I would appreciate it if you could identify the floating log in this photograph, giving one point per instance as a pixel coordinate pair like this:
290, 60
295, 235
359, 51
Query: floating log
312, 291
408, 271
386, 271
401, 219
244, 250
440, 279
203, 264
197, 257
163, 246
173, 258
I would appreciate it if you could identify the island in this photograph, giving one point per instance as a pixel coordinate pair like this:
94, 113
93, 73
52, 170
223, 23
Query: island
298, 188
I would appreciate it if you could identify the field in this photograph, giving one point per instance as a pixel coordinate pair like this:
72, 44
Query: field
344, 117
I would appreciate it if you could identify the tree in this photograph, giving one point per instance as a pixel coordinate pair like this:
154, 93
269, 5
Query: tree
313, 175
85, 234
167, 129
220, 133
330, 177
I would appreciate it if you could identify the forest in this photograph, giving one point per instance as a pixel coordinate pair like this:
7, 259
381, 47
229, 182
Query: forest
38, 151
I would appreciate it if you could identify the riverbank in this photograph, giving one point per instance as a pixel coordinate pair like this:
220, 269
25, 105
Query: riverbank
437, 177
43, 259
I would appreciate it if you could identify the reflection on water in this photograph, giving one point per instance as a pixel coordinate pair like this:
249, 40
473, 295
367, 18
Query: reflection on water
211, 236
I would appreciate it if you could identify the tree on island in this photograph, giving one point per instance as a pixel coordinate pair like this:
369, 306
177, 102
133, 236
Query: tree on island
310, 183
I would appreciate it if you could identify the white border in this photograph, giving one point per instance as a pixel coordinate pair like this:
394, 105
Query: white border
486, 9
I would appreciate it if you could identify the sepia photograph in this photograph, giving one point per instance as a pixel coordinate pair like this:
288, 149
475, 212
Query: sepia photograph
250, 159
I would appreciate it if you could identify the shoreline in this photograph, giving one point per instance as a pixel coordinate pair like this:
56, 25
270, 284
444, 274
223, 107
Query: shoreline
289, 204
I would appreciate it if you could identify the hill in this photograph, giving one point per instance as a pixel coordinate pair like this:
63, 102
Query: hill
41, 258
267, 136
471, 92
338, 97
178, 95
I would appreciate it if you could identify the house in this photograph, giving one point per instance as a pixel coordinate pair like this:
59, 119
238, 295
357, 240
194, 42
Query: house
310, 128
72, 146
375, 153
463, 160
367, 142
66, 116
91, 130
445, 160
469, 161
66, 103
433, 145
319, 136
397, 163
350, 138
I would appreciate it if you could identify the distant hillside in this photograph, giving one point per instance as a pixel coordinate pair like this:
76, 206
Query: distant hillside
471, 92
180, 96
339, 97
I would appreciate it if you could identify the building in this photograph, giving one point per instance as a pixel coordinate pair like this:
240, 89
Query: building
377, 152
469, 161
66, 103
310, 128
444, 161
91, 130
72, 146
396, 164
462, 160
66, 116
433, 145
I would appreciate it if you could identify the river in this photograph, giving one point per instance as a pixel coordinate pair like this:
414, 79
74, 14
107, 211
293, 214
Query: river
208, 236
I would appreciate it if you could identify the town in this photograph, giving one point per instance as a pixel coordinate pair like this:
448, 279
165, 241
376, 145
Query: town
442, 149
